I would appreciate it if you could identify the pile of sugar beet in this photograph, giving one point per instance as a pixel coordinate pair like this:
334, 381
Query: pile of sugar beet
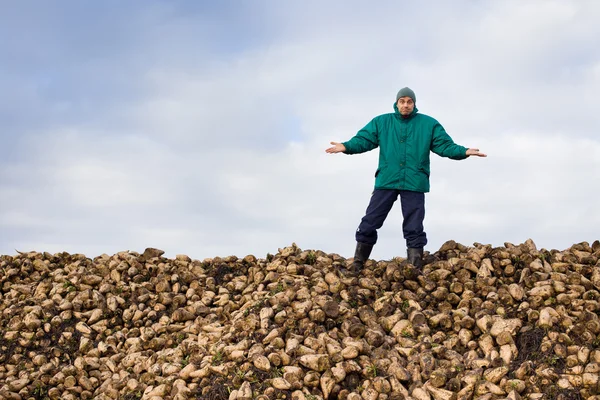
480, 322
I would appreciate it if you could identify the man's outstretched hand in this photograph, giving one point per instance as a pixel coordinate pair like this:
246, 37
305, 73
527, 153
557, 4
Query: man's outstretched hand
475, 152
336, 148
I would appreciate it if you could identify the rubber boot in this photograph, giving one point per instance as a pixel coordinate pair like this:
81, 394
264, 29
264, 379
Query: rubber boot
361, 255
415, 257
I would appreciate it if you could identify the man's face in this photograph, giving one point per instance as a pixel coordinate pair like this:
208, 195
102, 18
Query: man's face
405, 105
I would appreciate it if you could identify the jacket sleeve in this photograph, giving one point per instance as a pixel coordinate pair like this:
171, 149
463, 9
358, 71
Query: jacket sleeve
443, 145
365, 140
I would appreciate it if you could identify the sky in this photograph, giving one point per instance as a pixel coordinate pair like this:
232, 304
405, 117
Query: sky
200, 127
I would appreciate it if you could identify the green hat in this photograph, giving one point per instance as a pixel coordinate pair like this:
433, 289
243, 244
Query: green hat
406, 92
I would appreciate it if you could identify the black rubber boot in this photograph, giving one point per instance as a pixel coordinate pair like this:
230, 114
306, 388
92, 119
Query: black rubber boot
415, 257
361, 255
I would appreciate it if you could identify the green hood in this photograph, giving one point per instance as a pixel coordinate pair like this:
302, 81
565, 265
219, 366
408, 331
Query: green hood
412, 114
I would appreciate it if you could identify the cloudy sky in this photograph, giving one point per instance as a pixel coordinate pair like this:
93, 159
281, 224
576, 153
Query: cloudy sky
200, 127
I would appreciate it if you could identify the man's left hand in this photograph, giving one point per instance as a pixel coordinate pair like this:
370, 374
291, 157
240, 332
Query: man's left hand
475, 152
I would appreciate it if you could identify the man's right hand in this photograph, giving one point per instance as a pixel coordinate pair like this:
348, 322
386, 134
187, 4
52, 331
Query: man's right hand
336, 148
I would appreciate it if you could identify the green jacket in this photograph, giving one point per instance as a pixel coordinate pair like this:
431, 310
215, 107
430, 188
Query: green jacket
404, 145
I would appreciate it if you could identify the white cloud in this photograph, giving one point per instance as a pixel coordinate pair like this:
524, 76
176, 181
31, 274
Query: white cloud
226, 156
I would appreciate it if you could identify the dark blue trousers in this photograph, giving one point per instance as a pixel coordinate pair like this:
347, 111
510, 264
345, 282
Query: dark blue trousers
413, 212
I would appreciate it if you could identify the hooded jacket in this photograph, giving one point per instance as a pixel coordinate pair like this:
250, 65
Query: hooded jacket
404, 147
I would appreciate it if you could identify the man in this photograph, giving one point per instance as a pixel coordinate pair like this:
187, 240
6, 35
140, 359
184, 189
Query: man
405, 138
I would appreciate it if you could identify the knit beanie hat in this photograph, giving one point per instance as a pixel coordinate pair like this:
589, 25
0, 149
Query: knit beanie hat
406, 92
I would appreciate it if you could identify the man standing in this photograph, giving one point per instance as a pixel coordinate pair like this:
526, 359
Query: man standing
405, 138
